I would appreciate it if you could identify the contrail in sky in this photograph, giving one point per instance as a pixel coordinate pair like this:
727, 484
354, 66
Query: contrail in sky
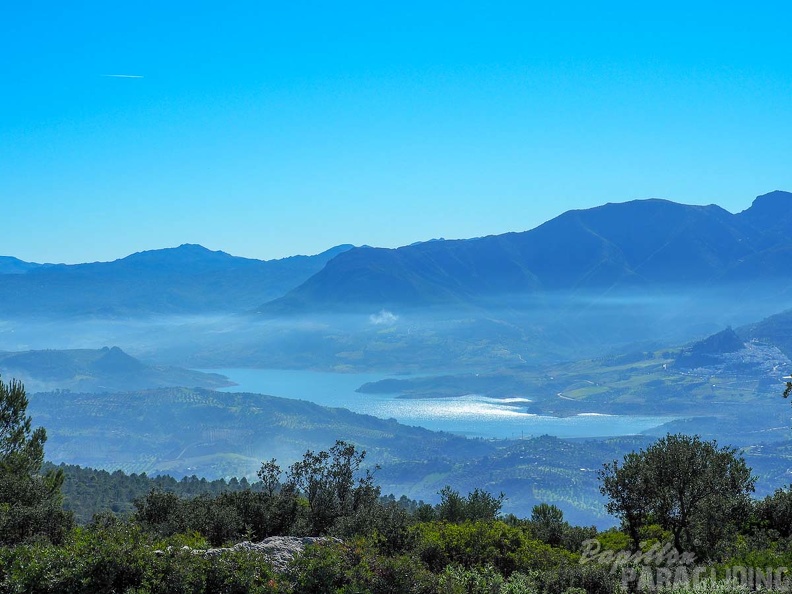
122, 75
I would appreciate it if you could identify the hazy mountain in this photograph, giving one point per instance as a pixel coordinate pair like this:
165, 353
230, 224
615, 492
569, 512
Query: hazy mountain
97, 370
186, 279
638, 244
643, 244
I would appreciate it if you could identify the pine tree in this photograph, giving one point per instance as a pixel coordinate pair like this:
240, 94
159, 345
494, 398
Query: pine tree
30, 502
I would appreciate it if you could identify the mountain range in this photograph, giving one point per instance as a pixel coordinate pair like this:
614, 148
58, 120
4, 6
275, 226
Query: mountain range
186, 279
640, 244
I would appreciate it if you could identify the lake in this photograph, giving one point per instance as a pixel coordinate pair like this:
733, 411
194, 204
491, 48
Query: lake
472, 415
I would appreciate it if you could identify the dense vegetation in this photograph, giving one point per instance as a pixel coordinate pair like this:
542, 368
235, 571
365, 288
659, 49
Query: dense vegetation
87, 491
683, 503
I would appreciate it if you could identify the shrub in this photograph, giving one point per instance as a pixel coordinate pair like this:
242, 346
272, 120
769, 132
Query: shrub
456, 579
591, 578
120, 557
472, 544
324, 567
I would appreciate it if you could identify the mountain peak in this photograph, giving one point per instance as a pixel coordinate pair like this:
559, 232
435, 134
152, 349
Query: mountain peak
771, 214
185, 254
710, 350
725, 341
772, 202
114, 360
193, 249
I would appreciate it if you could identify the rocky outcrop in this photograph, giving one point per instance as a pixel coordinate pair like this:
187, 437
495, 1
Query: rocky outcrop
279, 550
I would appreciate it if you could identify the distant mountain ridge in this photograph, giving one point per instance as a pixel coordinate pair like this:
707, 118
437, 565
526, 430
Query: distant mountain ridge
642, 243
186, 279
11, 265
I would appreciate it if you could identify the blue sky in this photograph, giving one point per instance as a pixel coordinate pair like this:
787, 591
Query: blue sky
269, 129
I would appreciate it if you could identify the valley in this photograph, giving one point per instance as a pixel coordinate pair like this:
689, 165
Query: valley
507, 362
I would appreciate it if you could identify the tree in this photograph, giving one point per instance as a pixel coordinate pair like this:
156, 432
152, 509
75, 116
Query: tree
629, 492
692, 488
270, 473
333, 485
30, 502
775, 512
19, 448
547, 523
478, 505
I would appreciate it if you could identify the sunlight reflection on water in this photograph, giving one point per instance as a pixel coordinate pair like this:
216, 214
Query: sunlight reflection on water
470, 406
